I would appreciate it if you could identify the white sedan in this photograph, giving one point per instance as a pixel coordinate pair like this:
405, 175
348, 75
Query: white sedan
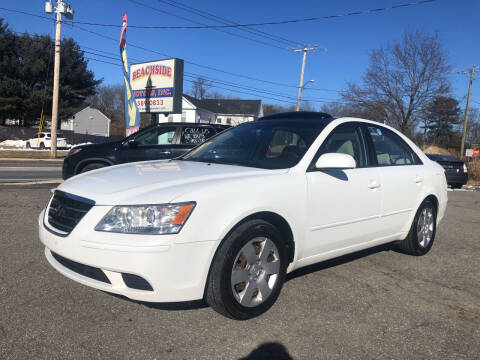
44, 141
229, 219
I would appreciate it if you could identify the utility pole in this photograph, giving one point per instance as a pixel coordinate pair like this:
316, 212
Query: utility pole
62, 8
465, 120
304, 49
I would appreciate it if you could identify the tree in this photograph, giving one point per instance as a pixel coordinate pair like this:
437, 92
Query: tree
473, 125
200, 88
269, 109
26, 76
110, 100
401, 80
441, 115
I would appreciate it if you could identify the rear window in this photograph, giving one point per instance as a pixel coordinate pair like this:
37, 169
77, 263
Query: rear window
193, 135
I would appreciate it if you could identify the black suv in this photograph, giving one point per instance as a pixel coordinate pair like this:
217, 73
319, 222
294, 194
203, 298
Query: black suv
162, 141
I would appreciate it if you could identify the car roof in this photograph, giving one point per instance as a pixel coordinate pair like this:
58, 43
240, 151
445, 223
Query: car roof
304, 115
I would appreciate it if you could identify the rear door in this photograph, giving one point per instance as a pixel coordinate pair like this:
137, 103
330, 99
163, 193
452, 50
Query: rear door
344, 206
402, 177
153, 144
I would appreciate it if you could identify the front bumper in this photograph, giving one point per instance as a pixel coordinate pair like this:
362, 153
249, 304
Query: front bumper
175, 271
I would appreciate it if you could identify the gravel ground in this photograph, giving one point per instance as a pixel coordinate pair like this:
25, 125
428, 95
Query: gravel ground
373, 304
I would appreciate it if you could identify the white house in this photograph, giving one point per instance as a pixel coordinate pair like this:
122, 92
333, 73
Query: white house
88, 121
218, 111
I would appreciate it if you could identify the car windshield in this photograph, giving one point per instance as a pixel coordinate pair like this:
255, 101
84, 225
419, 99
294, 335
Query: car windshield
267, 144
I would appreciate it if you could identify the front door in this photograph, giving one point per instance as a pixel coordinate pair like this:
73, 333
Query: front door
344, 206
154, 144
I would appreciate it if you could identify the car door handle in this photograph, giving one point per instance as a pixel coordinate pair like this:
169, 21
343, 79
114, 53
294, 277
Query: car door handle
165, 152
373, 184
418, 180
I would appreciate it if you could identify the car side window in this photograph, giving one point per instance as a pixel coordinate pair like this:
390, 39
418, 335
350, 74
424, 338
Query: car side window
390, 149
346, 139
156, 136
42, 136
193, 135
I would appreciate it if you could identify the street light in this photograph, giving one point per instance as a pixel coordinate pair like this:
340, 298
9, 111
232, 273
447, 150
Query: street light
300, 93
61, 9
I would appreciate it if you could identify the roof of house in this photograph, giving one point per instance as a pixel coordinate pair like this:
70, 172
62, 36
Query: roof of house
227, 106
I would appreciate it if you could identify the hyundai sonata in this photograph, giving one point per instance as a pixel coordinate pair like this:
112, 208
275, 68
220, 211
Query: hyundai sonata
230, 218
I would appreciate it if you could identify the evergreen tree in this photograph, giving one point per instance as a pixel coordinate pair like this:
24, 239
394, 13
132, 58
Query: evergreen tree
26, 76
441, 116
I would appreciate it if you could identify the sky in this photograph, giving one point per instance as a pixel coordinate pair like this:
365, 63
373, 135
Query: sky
249, 69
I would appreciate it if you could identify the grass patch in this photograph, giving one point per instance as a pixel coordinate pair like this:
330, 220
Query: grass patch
32, 154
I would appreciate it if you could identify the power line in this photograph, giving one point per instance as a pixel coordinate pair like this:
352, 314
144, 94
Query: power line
202, 24
110, 55
74, 25
224, 21
327, 17
187, 61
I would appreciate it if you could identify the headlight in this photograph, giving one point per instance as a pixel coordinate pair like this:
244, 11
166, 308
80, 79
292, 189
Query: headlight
146, 219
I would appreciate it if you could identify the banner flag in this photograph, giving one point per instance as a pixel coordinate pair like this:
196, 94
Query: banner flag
132, 115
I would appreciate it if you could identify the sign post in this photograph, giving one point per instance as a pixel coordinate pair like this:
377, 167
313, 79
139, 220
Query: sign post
158, 86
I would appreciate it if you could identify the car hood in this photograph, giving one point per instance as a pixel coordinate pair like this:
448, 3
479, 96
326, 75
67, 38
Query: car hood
158, 181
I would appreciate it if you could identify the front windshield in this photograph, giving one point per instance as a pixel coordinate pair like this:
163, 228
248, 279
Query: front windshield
267, 144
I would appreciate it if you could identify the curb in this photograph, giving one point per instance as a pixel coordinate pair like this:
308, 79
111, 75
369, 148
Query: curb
38, 182
27, 160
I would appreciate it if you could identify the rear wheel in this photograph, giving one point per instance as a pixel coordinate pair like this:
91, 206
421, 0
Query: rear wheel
422, 233
248, 271
42, 146
27, 145
92, 166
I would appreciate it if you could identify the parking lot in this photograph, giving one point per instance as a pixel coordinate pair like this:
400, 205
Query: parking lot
375, 304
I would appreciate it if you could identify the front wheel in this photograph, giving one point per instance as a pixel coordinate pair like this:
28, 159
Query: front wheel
419, 240
92, 166
42, 146
248, 271
27, 145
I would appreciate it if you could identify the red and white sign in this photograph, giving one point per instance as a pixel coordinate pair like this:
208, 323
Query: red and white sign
158, 86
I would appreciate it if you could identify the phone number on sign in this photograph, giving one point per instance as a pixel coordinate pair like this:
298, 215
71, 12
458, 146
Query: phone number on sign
151, 102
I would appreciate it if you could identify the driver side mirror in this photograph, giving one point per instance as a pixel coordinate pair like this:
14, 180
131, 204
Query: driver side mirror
335, 161
131, 143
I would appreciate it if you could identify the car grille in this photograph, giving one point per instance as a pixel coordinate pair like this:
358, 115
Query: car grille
85, 270
66, 211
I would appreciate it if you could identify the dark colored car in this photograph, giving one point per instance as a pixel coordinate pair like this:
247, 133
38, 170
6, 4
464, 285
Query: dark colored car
457, 174
162, 141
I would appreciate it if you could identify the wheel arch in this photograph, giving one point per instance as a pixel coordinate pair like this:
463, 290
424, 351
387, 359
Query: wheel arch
271, 217
89, 161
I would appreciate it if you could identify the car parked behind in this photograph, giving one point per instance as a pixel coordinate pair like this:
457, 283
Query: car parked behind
456, 169
45, 142
161, 141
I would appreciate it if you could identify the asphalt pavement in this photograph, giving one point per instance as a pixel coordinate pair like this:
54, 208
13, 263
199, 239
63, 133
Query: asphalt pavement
376, 304
29, 171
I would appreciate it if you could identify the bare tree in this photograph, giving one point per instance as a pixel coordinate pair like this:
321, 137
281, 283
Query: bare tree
473, 126
402, 79
109, 99
200, 88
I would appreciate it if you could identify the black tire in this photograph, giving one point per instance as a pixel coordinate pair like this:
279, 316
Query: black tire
27, 145
220, 290
42, 146
456, 186
92, 166
413, 244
